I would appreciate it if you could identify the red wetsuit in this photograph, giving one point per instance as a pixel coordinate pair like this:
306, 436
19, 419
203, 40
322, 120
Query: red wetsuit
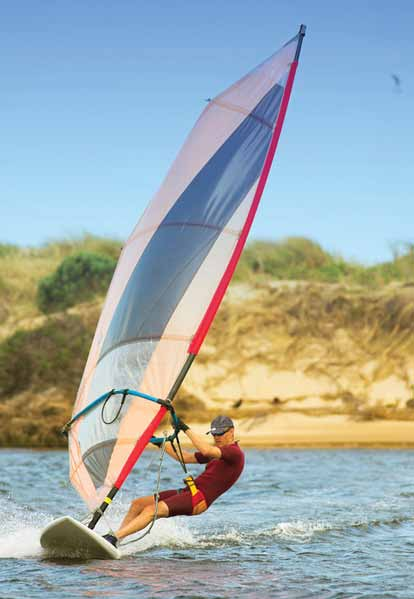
219, 475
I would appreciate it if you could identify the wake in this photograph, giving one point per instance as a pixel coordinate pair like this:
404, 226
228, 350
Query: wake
20, 528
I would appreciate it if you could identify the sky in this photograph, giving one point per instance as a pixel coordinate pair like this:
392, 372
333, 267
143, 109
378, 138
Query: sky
97, 98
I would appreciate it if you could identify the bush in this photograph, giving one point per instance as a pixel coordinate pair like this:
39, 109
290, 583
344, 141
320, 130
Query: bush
291, 258
333, 272
298, 258
52, 355
78, 278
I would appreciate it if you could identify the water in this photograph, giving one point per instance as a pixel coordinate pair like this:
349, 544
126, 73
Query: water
298, 524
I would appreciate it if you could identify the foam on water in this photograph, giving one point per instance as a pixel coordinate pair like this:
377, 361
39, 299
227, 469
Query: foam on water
21, 543
298, 530
165, 533
20, 530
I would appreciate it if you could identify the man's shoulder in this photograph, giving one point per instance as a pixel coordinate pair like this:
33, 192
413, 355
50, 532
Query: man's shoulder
233, 450
235, 446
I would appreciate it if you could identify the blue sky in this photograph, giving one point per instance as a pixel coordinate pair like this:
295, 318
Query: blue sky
97, 98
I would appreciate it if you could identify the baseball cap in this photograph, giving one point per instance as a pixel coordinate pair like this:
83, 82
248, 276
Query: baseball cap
220, 425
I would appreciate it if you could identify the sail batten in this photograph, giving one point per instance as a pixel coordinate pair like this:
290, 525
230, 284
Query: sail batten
174, 270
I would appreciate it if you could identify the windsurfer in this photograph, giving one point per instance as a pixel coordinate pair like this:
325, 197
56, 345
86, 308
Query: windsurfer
225, 462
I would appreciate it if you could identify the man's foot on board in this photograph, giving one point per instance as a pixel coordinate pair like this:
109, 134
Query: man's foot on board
111, 539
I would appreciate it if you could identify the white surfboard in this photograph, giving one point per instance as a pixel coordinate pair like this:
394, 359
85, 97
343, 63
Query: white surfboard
66, 537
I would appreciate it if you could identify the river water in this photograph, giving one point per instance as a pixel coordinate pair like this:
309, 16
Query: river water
298, 524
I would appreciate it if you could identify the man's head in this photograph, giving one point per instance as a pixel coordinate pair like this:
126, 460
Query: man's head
222, 429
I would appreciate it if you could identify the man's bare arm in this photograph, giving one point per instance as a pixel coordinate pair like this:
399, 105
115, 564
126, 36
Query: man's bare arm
203, 446
189, 458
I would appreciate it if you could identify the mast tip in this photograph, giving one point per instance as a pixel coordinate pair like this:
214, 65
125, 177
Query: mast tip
302, 30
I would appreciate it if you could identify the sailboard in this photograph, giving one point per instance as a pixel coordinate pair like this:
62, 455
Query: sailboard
171, 277
66, 537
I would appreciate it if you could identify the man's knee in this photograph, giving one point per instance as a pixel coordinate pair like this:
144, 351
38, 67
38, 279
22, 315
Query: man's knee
137, 504
162, 510
148, 510
141, 502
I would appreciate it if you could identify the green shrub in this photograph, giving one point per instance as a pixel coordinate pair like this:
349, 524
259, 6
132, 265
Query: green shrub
78, 278
291, 258
300, 258
333, 272
52, 355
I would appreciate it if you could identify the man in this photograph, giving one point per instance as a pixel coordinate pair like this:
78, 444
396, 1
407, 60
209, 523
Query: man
225, 462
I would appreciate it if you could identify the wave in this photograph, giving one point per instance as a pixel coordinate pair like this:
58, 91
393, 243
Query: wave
21, 528
299, 531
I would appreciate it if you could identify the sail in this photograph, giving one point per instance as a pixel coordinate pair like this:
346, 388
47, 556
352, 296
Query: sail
173, 272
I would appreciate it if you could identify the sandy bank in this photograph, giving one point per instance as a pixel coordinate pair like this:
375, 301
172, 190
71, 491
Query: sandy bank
299, 430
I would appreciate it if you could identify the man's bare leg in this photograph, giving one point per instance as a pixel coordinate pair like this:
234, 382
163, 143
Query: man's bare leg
136, 507
144, 517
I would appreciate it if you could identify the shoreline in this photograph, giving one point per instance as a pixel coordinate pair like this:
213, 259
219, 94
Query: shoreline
294, 430
297, 430
249, 444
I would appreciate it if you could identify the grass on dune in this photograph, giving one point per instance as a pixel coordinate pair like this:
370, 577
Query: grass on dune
293, 258
298, 258
21, 269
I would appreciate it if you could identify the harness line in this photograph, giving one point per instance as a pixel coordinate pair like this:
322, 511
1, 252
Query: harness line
156, 495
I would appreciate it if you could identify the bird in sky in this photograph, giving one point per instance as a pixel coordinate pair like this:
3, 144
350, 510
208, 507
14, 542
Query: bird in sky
397, 82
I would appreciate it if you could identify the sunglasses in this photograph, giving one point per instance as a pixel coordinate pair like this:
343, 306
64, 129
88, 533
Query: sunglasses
220, 434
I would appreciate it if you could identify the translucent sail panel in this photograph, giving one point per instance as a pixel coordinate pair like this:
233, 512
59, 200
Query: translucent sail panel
171, 267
